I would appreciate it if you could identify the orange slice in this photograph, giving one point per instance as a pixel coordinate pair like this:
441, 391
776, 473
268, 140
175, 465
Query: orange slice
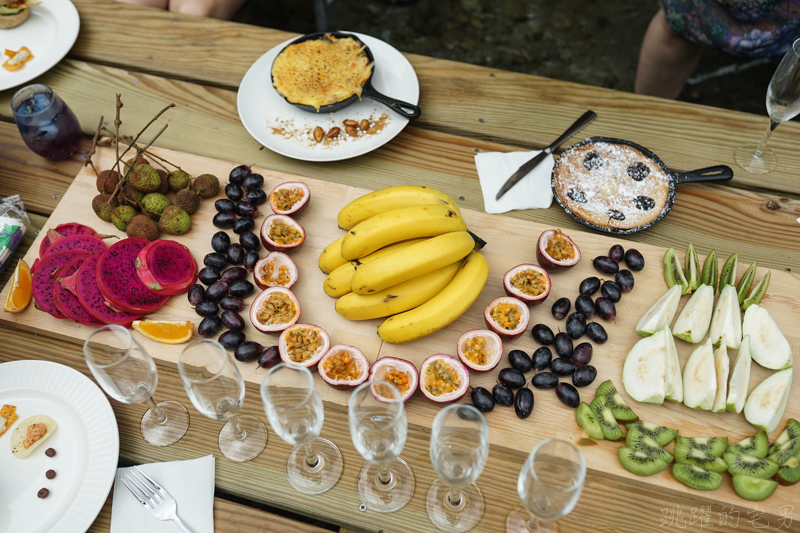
21, 291
168, 332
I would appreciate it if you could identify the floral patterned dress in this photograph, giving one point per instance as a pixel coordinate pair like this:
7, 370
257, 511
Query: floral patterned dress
747, 28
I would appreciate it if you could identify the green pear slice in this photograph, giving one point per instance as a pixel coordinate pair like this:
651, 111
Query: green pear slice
695, 318
740, 378
674, 385
727, 319
722, 367
661, 313
765, 405
700, 378
644, 373
768, 347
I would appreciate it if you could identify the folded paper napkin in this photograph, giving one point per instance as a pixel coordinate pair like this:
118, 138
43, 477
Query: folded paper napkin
532, 192
191, 483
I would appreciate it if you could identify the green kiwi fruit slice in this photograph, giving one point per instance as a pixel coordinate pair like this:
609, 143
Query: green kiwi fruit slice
673, 272
743, 288
640, 463
662, 435
604, 416
716, 446
791, 431
695, 477
728, 275
693, 456
614, 401
692, 273
789, 472
756, 446
750, 466
758, 292
643, 443
710, 270
753, 488
786, 451
588, 422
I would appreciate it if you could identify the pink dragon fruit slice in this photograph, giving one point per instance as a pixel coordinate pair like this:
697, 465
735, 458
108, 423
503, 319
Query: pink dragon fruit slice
90, 243
43, 282
83, 284
63, 230
119, 283
68, 303
166, 267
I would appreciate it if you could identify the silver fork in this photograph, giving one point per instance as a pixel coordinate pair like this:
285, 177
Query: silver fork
153, 497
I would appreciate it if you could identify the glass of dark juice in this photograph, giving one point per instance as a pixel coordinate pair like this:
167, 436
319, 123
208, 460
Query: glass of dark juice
46, 124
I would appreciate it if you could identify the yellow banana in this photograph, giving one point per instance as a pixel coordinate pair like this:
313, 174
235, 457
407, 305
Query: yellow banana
391, 198
331, 257
400, 225
427, 256
338, 282
401, 297
443, 308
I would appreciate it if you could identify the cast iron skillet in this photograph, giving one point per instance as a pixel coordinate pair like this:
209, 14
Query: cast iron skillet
409, 111
716, 173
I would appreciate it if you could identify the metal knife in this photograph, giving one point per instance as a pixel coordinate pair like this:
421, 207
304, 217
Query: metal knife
522, 171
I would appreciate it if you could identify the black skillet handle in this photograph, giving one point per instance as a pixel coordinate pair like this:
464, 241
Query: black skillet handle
410, 111
717, 173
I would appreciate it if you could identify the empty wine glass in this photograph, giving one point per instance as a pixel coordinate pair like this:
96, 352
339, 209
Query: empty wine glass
783, 103
459, 449
549, 485
216, 388
379, 428
295, 412
128, 374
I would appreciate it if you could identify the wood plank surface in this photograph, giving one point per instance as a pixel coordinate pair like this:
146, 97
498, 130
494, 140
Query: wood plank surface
551, 418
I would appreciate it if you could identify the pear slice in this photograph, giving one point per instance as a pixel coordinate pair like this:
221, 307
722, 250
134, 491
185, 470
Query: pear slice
674, 385
766, 404
727, 319
722, 367
740, 378
661, 313
644, 373
768, 347
695, 318
700, 378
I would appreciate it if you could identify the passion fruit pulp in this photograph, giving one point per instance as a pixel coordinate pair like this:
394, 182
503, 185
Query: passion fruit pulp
507, 316
443, 379
529, 283
275, 270
397, 372
304, 344
289, 198
280, 233
274, 310
480, 349
555, 250
343, 367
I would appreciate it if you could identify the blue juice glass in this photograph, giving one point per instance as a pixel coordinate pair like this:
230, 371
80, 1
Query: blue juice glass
46, 124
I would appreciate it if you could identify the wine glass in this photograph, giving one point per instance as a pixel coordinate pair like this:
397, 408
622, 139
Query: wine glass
47, 125
128, 374
295, 412
549, 485
459, 449
783, 103
379, 428
216, 388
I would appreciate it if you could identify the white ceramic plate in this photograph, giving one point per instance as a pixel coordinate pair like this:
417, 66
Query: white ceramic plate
49, 33
261, 108
86, 444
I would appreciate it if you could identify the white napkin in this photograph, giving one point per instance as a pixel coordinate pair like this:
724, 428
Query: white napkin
191, 483
532, 192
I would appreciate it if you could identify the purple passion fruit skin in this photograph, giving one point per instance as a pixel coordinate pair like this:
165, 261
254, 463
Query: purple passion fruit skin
289, 198
499, 310
443, 379
480, 350
309, 343
284, 302
546, 259
343, 367
528, 283
398, 372
291, 238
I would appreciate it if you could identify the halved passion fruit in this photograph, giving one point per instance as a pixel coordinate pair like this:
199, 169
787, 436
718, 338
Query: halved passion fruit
529, 283
555, 250
275, 270
289, 198
443, 379
480, 349
398, 372
304, 344
274, 310
507, 316
280, 233
343, 367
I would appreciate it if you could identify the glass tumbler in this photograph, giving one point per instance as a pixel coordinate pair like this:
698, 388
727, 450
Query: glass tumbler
47, 125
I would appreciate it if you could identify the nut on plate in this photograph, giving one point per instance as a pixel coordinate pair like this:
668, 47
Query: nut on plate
333, 132
351, 130
364, 125
319, 133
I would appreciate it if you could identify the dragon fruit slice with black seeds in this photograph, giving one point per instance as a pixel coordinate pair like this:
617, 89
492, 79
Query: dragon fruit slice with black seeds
90, 243
43, 282
166, 267
119, 283
63, 230
66, 302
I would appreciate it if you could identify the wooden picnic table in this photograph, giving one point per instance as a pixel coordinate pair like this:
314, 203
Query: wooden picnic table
154, 58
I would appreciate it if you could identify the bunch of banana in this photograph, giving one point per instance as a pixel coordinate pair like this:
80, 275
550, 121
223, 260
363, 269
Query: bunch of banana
407, 253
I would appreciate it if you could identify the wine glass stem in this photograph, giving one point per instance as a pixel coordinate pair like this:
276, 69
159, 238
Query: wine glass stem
533, 524
385, 477
454, 497
238, 432
161, 418
763, 144
311, 456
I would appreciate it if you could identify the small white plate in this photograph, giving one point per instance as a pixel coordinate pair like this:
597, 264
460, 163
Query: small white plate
261, 108
86, 443
49, 33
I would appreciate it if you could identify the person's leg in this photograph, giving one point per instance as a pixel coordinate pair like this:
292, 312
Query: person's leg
666, 60
160, 4
218, 9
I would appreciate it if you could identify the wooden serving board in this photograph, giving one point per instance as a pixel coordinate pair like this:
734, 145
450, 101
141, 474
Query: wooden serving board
510, 242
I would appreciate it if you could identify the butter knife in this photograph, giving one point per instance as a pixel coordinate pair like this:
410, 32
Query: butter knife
522, 171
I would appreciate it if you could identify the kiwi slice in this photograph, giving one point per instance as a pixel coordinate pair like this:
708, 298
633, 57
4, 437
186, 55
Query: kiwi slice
693, 456
791, 431
695, 477
588, 422
643, 443
750, 466
728, 274
614, 401
743, 288
753, 488
692, 268
756, 446
640, 463
758, 292
604, 416
662, 435
786, 451
789, 472
710, 271
716, 446
673, 272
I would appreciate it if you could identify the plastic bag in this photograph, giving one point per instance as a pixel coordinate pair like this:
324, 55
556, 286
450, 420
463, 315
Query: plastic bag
13, 224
